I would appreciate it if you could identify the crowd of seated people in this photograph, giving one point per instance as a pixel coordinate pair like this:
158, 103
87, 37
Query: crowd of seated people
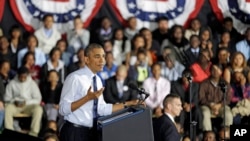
33, 70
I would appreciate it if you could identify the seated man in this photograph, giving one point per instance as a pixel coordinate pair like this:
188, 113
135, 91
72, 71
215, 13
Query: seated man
158, 87
211, 99
23, 96
117, 90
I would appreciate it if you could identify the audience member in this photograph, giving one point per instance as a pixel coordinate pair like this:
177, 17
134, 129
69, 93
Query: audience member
5, 72
228, 26
54, 63
66, 56
34, 70
209, 136
51, 92
243, 46
158, 87
237, 64
136, 43
107, 45
161, 32
80, 63
152, 46
16, 41
32, 43
104, 32
78, 37
120, 46
165, 126
171, 69
206, 40
47, 35
226, 42
192, 53
211, 99
201, 69
131, 28
5, 52
109, 68
140, 71
23, 96
222, 58
117, 87
177, 42
194, 29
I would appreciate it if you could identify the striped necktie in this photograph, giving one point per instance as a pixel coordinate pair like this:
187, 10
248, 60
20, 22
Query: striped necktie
95, 114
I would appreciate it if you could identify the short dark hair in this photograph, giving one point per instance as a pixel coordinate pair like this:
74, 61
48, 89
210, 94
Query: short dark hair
162, 19
46, 16
194, 36
22, 70
90, 47
170, 98
77, 17
227, 19
155, 64
51, 71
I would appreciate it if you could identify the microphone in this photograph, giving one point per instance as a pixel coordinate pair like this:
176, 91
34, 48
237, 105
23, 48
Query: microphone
188, 76
140, 90
223, 85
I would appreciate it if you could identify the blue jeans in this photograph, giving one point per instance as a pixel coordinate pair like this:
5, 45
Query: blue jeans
1, 118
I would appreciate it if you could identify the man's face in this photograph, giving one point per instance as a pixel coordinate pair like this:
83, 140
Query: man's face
216, 72
22, 77
195, 42
48, 22
109, 58
156, 71
95, 60
196, 25
132, 23
147, 35
228, 26
176, 107
121, 75
78, 23
163, 25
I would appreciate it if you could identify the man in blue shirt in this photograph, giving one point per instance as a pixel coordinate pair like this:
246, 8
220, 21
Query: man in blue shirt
82, 100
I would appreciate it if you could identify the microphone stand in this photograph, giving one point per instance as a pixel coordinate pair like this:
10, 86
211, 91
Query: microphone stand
192, 126
224, 89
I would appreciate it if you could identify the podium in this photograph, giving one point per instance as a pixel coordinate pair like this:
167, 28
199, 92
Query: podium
130, 124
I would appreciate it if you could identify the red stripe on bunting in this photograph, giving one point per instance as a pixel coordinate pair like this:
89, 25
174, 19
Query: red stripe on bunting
18, 16
247, 0
198, 5
93, 13
117, 12
216, 9
2, 4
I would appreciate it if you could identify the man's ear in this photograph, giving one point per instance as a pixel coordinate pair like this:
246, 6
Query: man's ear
86, 60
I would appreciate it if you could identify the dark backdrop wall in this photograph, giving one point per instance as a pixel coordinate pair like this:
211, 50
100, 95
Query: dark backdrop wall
205, 15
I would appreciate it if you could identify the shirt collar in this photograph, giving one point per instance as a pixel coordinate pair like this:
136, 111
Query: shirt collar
171, 117
89, 72
195, 50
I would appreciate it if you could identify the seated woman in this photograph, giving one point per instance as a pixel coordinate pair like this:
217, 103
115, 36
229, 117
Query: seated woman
54, 63
29, 62
51, 93
237, 64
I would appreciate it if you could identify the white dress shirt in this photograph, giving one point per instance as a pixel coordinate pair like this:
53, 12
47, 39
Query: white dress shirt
155, 99
75, 87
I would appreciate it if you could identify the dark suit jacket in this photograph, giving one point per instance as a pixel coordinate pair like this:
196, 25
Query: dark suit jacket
191, 57
177, 88
111, 91
165, 129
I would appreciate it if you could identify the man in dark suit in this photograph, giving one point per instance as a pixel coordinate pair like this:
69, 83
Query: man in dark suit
183, 88
165, 127
193, 51
117, 90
